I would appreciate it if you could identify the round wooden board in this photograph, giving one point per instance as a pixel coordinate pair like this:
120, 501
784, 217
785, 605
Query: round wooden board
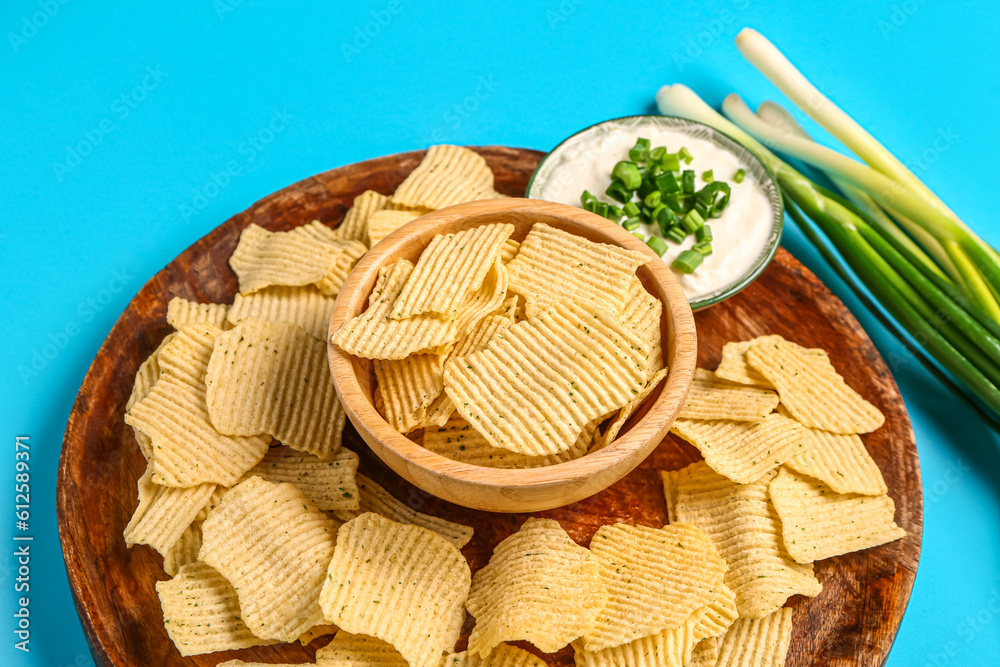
852, 622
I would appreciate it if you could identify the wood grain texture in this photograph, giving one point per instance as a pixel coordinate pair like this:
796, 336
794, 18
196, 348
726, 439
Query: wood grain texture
535, 489
852, 622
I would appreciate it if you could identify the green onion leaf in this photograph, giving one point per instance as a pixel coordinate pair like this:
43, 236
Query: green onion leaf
704, 234
618, 191
628, 173
708, 176
657, 154
652, 200
631, 224
685, 155
688, 261
687, 181
631, 209
639, 152
692, 221
641, 237
739, 175
667, 183
671, 162
704, 248
658, 245
676, 234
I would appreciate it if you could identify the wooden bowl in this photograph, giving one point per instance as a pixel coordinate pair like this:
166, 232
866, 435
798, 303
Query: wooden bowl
506, 490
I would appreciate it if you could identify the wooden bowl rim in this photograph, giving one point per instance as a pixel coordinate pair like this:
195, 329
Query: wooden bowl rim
666, 403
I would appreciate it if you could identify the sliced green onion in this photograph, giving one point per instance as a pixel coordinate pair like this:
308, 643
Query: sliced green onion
654, 215
614, 213
739, 175
667, 183
631, 223
670, 162
688, 261
652, 200
641, 237
692, 221
588, 200
658, 245
631, 209
685, 155
639, 152
704, 234
601, 209
628, 173
704, 248
676, 234
657, 154
618, 191
715, 196
665, 218
687, 181
708, 176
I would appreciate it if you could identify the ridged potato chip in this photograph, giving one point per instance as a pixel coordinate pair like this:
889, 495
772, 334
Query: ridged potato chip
184, 551
403, 584
145, 378
533, 390
305, 306
812, 390
487, 299
240, 663
214, 500
757, 642
201, 612
359, 651
628, 410
841, 462
509, 250
274, 546
744, 451
817, 523
408, 388
329, 483
746, 531
181, 311
734, 366
351, 252
503, 655
719, 614
187, 450
382, 223
642, 312
355, 224
705, 654
712, 398
447, 175
164, 513
273, 377
552, 265
655, 577
458, 441
539, 586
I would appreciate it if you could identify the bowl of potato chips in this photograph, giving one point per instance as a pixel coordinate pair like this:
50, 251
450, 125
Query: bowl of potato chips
511, 355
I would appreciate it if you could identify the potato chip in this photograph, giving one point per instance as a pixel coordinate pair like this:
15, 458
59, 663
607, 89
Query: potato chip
328, 484
487, 299
503, 655
294, 258
403, 584
145, 378
383, 223
814, 393
533, 390
458, 441
509, 250
509, 308
447, 175
552, 265
164, 512
744, 451
450, 268
181, 311
214, 500
184, 551
655, 577
734, 367
719, 615
711, 398
359, 651
240, 663
273, 377
305, 306
628, 410
757, 642
817, 523
643, 312
705, 653
376, 499
352, 251
408, 388
186, 448
312, 634
201, 612
747, 533
841, 462
355, 224
539, 586
274, 546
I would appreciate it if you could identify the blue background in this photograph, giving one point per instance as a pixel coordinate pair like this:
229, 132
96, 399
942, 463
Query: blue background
79, 235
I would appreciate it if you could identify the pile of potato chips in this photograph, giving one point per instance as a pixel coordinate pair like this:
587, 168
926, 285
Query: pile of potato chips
495, 353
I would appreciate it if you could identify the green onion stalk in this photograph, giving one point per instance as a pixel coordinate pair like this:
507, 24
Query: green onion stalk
955, 330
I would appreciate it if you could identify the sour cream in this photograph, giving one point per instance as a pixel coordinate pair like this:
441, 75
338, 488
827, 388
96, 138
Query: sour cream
743, 232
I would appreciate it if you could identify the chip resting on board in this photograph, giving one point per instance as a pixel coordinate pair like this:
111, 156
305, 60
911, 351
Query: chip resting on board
746, 530
712, 398
164, 513
184, 551
201, 612
451, 267
329, 483
403, 584
355, 224
539, 586
187, 450
655, 577
734, 366
274, 546
360, 651
757, 642
552, 265
503, 655
812, 390
383, 223
667, 648
629, 409
534, 390
817, 523
305, 306
351, 252
447, 175
744, 451
273, 377
145, 378
841, 462
181, 311
409, 387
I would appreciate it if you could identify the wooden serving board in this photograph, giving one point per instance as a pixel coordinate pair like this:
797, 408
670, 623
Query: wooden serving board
852, 622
